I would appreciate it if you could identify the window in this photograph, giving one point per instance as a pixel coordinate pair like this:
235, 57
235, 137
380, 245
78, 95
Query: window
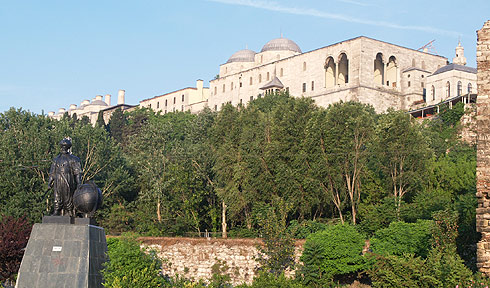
224, 88
422, 84
174, 100
413, 62
158, 105
215, 90
423, 64
260, 78
304, 87
182, 108
268, 76
261, 58
448, 89
165, 102
460, 88
343, 76
408, 83
231, 86
304, 66
241, 84
469, 87
241, 101
215, 107
433, 92
251, 98
251, 81
165, 111
281, 73
182, 97
173, 109
287, 90
312, 85
378, 69
150, 105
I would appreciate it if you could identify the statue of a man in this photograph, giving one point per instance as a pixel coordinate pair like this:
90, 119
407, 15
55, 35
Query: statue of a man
64, 177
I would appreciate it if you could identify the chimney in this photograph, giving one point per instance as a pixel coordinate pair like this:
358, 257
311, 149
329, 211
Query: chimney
73, 107
199, 86
108, 99
85, 102
50, 113
98, 97
120, 97
61, 111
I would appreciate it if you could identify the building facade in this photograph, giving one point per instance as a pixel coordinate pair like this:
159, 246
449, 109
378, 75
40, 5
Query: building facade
360, 69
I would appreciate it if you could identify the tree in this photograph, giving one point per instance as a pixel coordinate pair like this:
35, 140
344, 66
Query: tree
100, 120
401, 152
116, 125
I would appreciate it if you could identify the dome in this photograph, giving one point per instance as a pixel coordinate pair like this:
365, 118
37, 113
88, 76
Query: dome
281, 44
99, 103
244, 55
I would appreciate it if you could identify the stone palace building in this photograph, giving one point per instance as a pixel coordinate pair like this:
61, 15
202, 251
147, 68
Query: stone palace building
360, 69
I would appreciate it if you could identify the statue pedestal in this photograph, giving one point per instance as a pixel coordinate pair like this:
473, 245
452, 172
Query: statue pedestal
61, 254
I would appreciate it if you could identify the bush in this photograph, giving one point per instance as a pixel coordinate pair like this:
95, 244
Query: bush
335, 251
302, 230
403, 238
128, 266
267, 280
14, 234
400, 271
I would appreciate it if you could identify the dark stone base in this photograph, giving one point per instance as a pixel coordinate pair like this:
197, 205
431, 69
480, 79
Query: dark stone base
58, 219
85, 221
63, 255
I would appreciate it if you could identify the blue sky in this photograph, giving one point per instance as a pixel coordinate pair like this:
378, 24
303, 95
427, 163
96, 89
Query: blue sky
55, 53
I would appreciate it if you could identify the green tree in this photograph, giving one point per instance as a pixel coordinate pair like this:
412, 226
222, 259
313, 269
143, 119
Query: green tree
402, 153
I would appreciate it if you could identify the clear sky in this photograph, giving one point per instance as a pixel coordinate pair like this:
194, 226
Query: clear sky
55, 53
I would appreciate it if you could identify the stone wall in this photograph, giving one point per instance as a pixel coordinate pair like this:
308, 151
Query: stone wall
197, 258
483, 148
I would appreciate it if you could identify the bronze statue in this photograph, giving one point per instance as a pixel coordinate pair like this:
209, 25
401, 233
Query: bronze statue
65, 176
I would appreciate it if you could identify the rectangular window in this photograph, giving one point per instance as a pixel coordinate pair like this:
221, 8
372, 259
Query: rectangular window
241, 101
231, 86
304, 87
158, 105
240, 84
251, 98
165, 102
287, 90
182, 97
251, 81
224, 87
174, 100
312, 85
182, 108
215, 90
215, 107
165, 111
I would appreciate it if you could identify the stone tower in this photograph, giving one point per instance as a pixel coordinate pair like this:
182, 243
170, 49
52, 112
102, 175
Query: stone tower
459, 59
483, 149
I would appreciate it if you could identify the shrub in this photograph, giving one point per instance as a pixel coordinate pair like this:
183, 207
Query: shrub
335, 251
400, 271
403, 238
128, 266
267, 280
305, 228
14, 234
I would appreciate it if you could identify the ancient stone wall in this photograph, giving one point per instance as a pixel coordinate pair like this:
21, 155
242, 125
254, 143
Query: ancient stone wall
483, 148
198, 258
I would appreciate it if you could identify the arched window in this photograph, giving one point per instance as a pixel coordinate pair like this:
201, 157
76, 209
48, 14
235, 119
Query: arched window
469, 88
378, 69
329, 73
448, 89
433, 92
343, 77
391, 72
460, 88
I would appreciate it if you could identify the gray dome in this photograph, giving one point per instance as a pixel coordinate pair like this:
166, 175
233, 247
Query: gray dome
244, 55
281, 44
98, 102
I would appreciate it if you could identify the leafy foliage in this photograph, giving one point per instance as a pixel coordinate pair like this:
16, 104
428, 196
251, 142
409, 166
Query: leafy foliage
332, 252
128, 266
14, 234
402, 238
